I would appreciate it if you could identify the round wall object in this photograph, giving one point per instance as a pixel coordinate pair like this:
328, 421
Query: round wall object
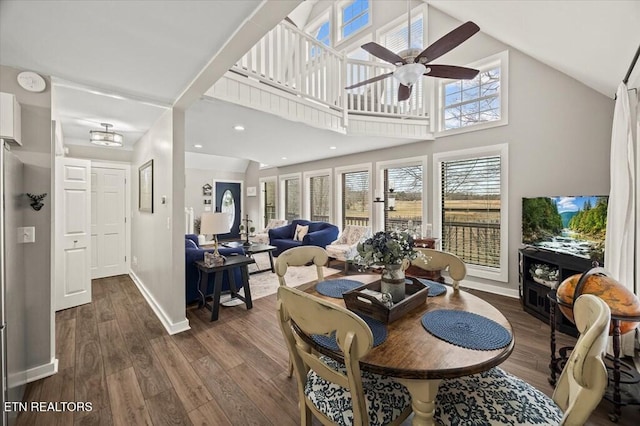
31, 81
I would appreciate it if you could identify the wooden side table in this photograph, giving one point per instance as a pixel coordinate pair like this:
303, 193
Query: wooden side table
231, 263
414, 271
624, 386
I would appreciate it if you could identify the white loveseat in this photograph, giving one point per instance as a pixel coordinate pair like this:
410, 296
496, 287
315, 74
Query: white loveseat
262, 237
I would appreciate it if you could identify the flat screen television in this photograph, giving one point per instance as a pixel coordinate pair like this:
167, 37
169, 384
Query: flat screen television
574, 225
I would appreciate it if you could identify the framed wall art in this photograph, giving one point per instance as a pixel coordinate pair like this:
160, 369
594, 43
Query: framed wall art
145, 190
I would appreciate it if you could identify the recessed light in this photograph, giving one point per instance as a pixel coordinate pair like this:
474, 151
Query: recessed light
197, 146
333, 147
238, 127
284, 158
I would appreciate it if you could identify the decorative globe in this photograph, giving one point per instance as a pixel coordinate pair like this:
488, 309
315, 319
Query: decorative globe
621, 300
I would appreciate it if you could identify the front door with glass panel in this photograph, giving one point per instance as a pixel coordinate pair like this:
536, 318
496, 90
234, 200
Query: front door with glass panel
228, 200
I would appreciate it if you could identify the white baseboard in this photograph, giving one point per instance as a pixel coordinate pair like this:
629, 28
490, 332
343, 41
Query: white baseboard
42, 371
171, 327
508, 292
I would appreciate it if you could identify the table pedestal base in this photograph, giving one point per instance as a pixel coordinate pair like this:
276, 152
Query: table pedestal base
423, 395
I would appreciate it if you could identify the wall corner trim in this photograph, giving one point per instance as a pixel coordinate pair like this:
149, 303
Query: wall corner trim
171, 327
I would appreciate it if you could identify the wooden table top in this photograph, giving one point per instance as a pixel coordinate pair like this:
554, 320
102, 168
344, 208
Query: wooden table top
412, 352
230, 262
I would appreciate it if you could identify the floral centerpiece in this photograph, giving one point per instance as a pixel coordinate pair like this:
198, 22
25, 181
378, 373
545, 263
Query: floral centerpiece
394, 251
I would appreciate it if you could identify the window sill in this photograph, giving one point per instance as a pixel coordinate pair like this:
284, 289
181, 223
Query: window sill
494, 274
468, 129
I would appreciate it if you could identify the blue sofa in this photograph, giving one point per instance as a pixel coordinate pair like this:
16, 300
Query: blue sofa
320, 234
193, 252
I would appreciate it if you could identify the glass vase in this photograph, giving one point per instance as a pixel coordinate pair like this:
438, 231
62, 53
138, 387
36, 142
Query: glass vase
392, 282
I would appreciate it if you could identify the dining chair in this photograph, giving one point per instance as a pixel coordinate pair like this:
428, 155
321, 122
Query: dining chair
301, 256
497, 397
436, 260
333, 392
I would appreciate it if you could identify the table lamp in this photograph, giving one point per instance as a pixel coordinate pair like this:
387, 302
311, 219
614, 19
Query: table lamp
214, 223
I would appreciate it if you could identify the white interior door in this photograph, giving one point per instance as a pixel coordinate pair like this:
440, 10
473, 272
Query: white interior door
72, 232
108, 237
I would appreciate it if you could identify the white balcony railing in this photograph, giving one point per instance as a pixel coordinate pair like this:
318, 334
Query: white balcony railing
291, 60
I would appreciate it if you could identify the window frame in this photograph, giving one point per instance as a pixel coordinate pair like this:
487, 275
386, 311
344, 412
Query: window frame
307, 191
282, 190
313, 27
502, 61
401, 21
339, 12
379, 186
338, 172
262, 181
497, 274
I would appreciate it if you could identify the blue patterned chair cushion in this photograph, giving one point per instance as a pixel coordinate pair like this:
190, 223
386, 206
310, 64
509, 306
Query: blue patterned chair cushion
386, 399
493, 397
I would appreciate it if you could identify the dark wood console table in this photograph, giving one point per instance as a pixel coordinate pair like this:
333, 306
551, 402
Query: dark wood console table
624, 379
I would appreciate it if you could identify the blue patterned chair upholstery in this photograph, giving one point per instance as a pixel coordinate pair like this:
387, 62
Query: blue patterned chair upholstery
496, 397
326, 388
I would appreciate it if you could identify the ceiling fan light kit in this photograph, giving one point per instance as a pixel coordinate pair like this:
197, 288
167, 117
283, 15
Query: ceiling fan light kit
412, 63
105, 137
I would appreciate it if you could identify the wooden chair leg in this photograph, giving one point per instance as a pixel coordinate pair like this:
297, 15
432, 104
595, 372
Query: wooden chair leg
290, 372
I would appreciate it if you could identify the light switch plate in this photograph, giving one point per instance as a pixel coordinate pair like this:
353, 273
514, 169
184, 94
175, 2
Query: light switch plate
27, 234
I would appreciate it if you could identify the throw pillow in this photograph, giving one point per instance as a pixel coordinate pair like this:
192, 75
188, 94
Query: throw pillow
344, 237
301, 231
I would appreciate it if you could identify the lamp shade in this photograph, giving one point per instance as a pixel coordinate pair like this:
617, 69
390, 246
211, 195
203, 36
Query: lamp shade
409, 74
214, 223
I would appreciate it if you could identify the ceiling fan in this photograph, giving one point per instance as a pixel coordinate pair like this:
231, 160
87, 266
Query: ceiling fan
412, 63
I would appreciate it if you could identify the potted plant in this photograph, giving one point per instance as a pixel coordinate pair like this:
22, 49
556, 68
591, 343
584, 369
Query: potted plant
394, 252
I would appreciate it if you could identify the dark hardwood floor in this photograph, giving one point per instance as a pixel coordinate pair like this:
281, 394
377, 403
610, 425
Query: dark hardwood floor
115, 353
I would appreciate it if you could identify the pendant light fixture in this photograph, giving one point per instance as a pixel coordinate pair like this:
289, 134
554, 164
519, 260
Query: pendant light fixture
105, 137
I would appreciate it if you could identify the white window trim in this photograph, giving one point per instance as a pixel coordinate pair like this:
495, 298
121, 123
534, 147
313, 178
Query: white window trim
306, 211
314, 25
338, 21
357, 44
497, 274
379, 184
338, 172
500, 59
281, 200
261, 181
402, 20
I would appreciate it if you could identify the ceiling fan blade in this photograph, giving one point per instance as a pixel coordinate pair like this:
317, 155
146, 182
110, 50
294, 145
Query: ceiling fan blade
448, 42
404, 92
383, 53
451, 71
371, 80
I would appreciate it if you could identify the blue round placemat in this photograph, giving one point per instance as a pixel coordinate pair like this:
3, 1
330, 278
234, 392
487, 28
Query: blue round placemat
335, 288
466, 329
435, 289
378, 329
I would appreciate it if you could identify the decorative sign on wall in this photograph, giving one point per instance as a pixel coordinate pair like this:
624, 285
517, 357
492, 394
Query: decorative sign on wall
251, 191
207, 190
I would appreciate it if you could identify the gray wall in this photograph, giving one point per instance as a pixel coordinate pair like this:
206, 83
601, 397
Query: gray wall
558, 135
196, 178
100, 153
36, 154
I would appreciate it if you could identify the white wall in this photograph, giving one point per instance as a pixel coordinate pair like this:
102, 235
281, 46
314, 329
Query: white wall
99, 153
558, 134
157, 248
36, 155
196, 178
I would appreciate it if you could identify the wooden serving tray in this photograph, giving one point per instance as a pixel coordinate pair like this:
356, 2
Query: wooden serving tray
356, 300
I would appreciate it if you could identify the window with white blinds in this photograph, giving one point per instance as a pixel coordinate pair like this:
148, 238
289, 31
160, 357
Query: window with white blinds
355, 198
319, 198
471, 209
292, 198
396, 38
269, 207
403, 199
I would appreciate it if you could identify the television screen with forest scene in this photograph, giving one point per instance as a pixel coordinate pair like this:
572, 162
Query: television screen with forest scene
573, 225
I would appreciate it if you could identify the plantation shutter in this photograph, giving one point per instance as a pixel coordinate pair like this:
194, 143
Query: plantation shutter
355, 198
396, 39
406, 183
471, 210
292, 199
319, 197
269, 201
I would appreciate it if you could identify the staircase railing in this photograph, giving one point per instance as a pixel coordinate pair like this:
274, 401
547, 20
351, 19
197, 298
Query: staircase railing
291, 60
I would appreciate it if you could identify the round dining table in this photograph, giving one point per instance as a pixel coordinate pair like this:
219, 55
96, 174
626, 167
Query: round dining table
420, 360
